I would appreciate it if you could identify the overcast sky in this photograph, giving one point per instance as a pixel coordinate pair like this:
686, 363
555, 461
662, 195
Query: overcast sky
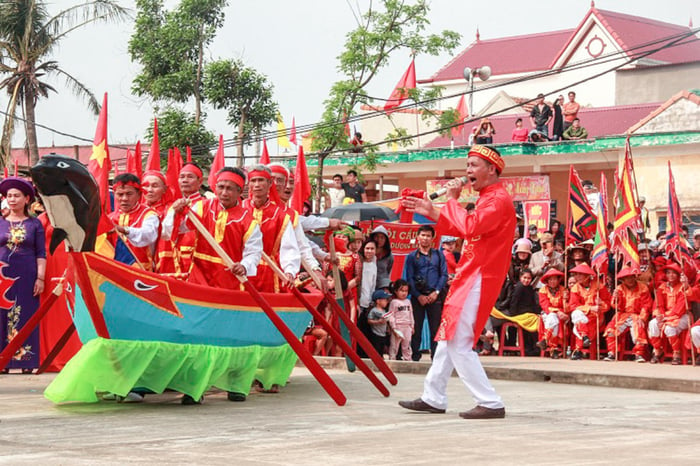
295, 43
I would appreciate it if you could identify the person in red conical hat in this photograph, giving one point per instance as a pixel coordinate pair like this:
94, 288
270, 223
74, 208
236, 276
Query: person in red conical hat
175, 253
135, 221
589, 300
553, 302
633, 302
487, 232
671, 313
276, 225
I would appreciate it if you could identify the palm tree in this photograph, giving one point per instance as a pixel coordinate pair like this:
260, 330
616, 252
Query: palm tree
28, 36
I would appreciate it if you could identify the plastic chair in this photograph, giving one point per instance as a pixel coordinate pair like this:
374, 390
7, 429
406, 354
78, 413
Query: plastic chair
520, 342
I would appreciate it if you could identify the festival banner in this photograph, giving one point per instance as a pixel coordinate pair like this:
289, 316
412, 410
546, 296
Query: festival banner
402, 237
537, 213
521, 188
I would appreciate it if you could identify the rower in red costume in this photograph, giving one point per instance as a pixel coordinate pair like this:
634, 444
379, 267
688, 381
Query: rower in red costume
487, 234
554, 303
589, 300
633, 302
673, 299
231, 226
135, 221
275, 223
175, 255
156, 194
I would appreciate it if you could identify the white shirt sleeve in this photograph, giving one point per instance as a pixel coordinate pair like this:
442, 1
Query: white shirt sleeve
318, 253
314, 222
252, 252
290, 258
307, 256
146, 234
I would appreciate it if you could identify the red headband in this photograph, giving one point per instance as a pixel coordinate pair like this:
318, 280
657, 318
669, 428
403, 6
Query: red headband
235, 178
259, 174
189, 168
279, 169
155, 173
133, 184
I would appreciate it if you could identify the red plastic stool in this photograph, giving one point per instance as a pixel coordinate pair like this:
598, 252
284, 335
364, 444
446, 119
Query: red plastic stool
520, 343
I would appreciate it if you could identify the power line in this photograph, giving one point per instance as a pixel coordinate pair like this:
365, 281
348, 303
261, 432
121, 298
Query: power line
669, 42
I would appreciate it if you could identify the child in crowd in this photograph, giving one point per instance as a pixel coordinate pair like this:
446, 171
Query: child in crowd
377, 320
400, 317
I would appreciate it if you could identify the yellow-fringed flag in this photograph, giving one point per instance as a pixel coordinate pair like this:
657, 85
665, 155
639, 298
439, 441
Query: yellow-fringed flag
282, 139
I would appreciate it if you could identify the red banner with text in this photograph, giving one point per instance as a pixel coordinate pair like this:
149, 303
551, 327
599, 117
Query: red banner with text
536, 213
402, 237
521, 188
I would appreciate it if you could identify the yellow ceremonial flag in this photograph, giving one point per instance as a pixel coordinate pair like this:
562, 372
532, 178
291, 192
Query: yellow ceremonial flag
282, 139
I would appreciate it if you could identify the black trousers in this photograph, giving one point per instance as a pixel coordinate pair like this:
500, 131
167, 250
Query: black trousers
434, 313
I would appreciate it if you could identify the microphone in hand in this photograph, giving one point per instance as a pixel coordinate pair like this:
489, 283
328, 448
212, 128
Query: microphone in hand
442, 191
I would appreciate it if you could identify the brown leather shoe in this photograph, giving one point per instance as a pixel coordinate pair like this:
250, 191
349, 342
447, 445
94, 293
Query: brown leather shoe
482, 412
420, 405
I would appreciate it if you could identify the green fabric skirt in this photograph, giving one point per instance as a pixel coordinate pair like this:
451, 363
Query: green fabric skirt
118, 366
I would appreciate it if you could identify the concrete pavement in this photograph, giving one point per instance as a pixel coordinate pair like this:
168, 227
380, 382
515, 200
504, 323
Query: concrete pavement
546, 424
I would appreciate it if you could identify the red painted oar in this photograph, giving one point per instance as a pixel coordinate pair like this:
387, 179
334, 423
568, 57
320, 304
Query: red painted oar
334, 334
14, 345
306, 357
364, 343
57, 348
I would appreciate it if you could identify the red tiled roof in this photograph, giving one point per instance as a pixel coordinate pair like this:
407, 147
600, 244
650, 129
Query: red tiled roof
116, 154
515, 54
598, 121
533, 52
634, 31
693, 96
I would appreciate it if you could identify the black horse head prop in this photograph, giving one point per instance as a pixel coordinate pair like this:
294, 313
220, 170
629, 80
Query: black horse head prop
71, 198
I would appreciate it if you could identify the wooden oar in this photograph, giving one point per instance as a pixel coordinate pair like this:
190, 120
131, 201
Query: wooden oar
28, 328
339, 302
57, 348
306, 357
334, 334
364, 343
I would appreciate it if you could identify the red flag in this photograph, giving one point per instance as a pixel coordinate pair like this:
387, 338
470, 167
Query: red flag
265, 157
189, 154
675, 242
5, 173
153, 162
217, 164
116, 168
580, 220
601, 245
133, 161
16, 167
400, 93
293, 133
173, 172
302, 185
463, 114
99, 164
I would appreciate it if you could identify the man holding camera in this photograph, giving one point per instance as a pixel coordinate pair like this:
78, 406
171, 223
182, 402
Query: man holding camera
425, 271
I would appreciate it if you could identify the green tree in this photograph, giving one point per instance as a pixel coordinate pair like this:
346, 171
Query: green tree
29, 35
177, 128
397, 25
170, 46
245, 93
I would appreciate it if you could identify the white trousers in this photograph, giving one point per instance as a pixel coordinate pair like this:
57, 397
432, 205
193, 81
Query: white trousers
578, 317
655, 331
695, 336
458, 354
551, 321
